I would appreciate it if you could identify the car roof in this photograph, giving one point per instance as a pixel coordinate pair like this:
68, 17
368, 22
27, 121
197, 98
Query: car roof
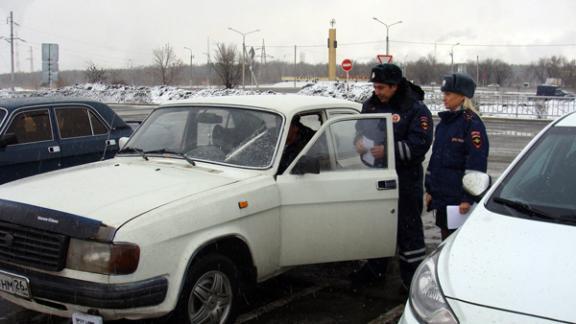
567, 121
288, 104
106, 112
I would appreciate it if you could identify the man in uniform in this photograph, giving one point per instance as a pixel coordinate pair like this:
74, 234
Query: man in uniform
413, 131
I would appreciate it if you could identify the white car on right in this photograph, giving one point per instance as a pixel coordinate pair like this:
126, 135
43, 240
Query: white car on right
513, 260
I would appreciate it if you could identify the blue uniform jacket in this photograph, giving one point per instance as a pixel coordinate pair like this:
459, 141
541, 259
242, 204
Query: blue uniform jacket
413, 127
460, 144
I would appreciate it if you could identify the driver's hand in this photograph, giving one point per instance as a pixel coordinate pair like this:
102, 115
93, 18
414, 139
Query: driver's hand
464, 208
378, 151
360, 147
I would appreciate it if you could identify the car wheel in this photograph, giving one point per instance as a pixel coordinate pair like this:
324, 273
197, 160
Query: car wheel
210, 294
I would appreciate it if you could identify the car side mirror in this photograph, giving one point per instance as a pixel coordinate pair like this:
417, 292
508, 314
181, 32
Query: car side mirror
307, 164
122, 142
476, 183
8, 139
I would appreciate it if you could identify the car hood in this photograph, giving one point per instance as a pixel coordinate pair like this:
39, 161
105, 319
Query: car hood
115, 191
513, 264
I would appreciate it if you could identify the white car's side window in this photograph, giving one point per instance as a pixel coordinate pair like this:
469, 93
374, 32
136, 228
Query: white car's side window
348, 144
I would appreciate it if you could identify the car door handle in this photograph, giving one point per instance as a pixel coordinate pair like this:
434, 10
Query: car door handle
53, 149
111, 142
387, 185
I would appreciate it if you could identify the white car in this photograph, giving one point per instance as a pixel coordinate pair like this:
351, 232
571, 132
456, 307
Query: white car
512, 261
192, 206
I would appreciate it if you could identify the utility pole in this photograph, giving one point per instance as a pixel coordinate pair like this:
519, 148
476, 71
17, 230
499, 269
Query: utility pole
387, 29
263, 53
191, 57
477, 70
452, 56
11, 41
243, 52
262, 59
208, 61
30, 58
11, 18
295, 48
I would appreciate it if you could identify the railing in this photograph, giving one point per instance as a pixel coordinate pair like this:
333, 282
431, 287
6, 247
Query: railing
512, 105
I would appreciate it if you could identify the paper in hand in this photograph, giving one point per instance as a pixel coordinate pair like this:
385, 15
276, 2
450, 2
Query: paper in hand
367, 157
454, 218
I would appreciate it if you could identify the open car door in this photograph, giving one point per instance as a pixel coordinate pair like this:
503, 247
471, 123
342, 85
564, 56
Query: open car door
336, 204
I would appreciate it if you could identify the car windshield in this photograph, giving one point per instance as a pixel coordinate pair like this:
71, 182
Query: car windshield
239, 137
543, 184
2, 114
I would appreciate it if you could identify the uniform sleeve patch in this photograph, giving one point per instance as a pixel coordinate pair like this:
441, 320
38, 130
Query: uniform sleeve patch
476, 139
424, 123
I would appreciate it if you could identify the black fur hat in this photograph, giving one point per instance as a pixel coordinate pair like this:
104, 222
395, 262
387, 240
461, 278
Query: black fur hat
459, 83
386, 73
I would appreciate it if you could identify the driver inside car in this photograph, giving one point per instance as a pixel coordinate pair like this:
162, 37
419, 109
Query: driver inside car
298, 136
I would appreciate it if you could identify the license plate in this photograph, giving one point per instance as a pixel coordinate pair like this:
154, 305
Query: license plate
14, 284
79, 318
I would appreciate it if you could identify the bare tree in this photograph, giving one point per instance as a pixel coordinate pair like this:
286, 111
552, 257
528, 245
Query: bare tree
226, 65
94, 74
167, 64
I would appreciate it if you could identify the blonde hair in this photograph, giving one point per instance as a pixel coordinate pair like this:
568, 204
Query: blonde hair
468, 104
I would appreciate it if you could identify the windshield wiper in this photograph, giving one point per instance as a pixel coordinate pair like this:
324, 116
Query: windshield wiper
144, 154
133, 149
524, 208
165, 151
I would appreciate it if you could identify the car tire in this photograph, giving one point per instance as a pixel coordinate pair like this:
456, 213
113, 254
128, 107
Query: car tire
210, 293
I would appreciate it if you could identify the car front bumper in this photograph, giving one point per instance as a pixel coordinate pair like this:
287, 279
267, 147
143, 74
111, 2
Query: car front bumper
59, 290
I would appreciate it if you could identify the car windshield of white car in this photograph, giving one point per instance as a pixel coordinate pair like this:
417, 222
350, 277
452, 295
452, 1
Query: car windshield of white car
542, 185
233, 136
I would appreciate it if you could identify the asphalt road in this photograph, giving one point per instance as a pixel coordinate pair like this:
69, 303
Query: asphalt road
322, 293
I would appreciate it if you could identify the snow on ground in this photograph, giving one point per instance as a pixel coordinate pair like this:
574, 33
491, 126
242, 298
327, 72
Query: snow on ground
354, 91
491, 103
128, 94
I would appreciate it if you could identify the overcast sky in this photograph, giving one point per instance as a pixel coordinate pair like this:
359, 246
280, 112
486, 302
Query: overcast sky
118, 33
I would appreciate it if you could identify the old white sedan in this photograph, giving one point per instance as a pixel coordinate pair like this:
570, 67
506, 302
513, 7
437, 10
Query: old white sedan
193, 205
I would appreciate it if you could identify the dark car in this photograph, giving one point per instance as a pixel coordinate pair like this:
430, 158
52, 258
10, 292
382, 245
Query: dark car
44, 134
552, 91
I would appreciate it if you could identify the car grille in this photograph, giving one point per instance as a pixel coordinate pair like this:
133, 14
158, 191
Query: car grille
32, 247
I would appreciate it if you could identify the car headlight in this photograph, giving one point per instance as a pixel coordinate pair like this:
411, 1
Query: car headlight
426, 298
105, 258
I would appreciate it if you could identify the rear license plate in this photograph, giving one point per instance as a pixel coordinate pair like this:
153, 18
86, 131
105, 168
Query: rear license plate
14, 284
79, 318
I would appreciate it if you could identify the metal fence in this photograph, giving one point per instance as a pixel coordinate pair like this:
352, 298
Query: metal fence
512, 105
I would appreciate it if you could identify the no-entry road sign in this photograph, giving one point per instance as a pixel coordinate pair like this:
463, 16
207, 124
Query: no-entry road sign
346, 65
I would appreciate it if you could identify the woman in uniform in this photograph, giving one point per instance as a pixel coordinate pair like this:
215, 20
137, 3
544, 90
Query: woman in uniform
460, 145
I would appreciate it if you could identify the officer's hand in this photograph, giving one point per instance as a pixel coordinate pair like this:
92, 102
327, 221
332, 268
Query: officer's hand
464, 208
378, 151
360, 147
427, 199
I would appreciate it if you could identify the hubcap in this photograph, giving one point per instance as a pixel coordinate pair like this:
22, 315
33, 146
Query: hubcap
211, 299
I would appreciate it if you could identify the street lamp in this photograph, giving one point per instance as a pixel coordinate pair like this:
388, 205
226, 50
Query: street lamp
243, 50
191, 57
387, 29
452, 56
